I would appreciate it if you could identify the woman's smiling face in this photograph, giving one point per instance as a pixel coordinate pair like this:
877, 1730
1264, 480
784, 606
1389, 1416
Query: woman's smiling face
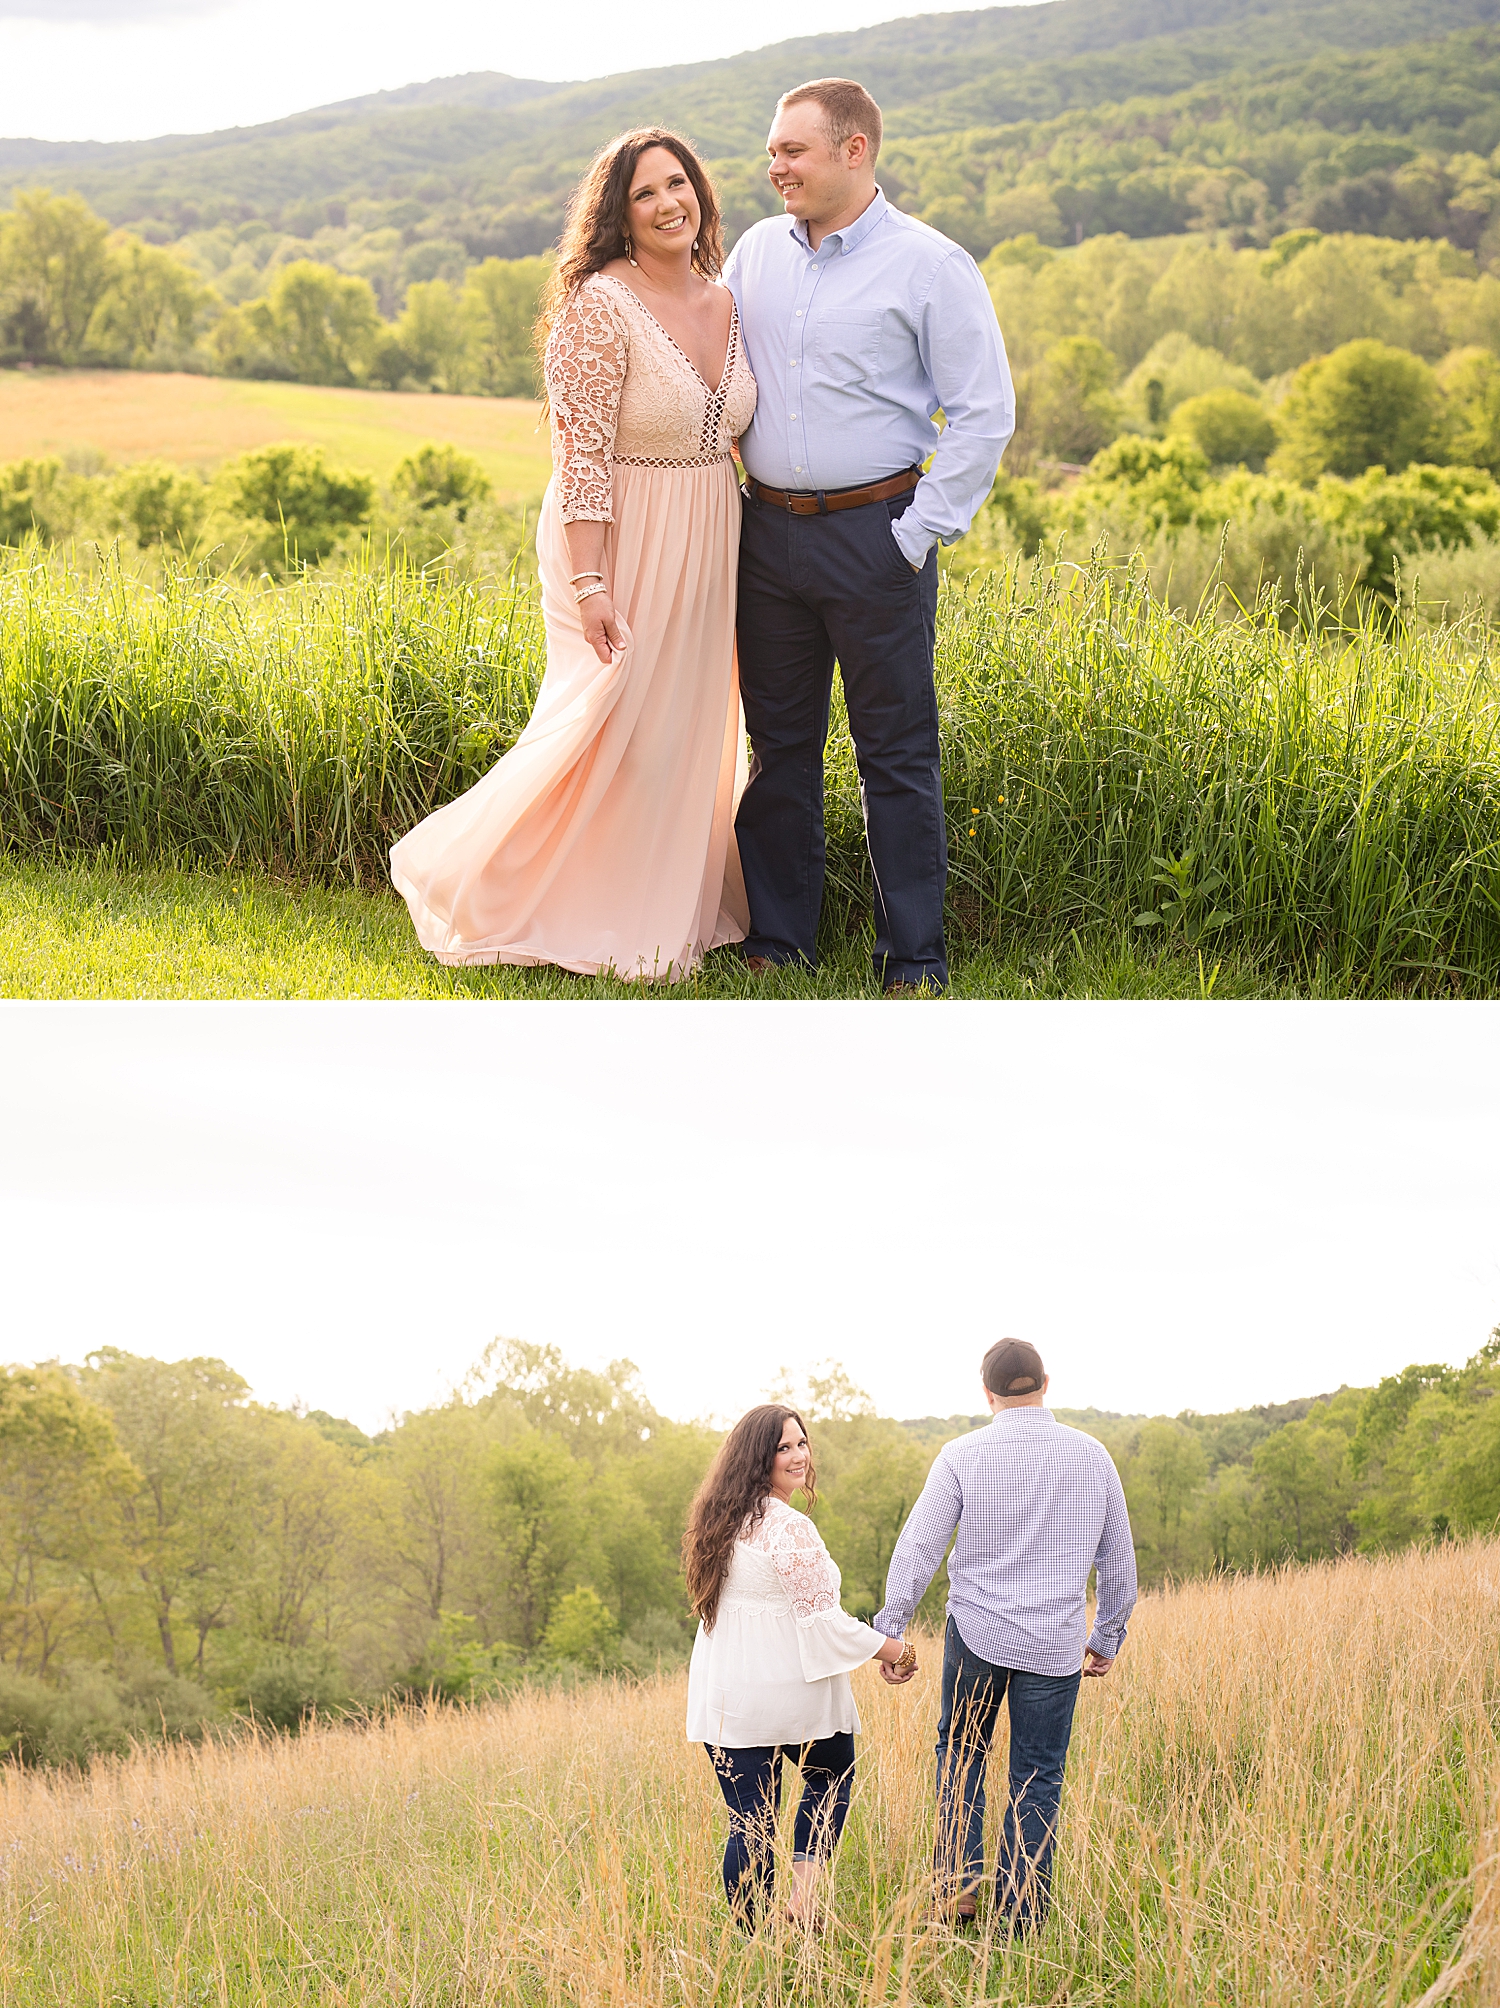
789, 1466
662, 213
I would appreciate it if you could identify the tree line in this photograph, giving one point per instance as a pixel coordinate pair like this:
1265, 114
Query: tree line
175, 1553
73, 292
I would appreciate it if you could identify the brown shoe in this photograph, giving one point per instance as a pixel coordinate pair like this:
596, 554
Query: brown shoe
760, 965
904, 989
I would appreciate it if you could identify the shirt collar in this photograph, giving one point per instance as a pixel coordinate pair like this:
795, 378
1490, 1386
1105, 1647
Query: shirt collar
1015, 1414
846, 240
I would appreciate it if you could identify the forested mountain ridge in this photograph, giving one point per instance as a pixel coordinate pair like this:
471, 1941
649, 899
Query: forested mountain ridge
485, 161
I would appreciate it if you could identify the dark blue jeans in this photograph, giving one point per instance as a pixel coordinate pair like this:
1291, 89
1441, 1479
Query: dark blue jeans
1041, 1722
812, 590
750, 1780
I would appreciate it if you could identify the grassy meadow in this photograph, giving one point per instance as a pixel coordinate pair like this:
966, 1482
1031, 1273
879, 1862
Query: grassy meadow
116, 416
1293, 806
1286, 1794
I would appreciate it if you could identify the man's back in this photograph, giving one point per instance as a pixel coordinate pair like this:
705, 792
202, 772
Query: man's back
1037, 1505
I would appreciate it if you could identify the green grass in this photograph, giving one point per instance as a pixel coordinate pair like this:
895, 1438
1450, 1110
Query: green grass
1318, 813
90, 929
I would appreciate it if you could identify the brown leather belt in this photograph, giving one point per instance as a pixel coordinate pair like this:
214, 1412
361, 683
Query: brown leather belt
818, 503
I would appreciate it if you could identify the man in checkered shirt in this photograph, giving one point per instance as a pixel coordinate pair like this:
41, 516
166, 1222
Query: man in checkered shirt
1037, 1506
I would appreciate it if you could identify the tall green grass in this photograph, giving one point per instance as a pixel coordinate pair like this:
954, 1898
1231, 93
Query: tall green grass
1326, 797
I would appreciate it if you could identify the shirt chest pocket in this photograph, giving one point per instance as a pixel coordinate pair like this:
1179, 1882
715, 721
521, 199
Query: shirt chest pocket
846, 344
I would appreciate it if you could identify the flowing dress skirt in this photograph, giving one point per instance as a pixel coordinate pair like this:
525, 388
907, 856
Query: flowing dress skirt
604, 840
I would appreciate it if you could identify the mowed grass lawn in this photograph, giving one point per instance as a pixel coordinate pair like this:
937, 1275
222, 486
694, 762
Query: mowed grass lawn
91, 930
1284, 1796
197, 421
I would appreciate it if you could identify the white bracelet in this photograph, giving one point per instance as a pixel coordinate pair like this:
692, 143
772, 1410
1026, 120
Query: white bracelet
584, 591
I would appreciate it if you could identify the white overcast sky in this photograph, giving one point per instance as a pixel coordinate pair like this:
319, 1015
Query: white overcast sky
131, 69
1181, 1205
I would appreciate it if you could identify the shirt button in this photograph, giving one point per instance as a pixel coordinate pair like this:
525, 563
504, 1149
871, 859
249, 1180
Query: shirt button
793, 414
794, 362
799, 470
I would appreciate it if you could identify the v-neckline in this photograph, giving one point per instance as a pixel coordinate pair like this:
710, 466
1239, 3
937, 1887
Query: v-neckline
666, 335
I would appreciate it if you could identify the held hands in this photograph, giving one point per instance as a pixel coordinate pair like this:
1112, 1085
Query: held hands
898, 1662
601, 625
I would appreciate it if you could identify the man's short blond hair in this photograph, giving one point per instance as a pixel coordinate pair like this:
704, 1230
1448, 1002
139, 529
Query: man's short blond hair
847, 109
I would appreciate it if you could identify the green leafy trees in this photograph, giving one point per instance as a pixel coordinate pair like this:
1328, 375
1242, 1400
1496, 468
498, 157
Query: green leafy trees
1401, 515
190, 1523
1066, 408
54, 269
1365, 405
151, 308
1470, 381
537, 1494
315, 325
500, 300
66, 1489
1167, 1468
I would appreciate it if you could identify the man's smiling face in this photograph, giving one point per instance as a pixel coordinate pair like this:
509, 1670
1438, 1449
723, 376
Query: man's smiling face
812, 179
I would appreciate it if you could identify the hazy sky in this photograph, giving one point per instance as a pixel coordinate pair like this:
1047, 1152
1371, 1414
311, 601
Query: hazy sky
130, 69
1181, 1206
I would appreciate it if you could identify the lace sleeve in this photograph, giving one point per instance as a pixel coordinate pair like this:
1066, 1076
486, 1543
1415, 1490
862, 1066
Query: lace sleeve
585, 368
804, 1565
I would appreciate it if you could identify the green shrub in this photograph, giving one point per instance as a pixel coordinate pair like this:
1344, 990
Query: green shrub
1432, 506
441, 477
1228, 428
1149, 483
157, 504
282, 1686
92, 1712
581, 1629
36, 498
291, 504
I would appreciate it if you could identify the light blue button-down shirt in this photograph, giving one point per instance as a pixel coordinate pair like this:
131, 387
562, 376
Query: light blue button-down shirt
1037, 1505
856, 346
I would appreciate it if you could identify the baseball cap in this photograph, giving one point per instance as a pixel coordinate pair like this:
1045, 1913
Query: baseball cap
1013, 1367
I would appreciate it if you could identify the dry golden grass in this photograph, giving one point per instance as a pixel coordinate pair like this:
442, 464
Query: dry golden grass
1280, 1796
198, 421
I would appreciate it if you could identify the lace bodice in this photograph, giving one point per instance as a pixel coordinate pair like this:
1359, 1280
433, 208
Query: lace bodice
620, 389
802, 1573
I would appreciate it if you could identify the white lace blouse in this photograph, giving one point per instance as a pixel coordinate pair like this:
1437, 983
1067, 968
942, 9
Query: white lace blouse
775, 1668
622, 393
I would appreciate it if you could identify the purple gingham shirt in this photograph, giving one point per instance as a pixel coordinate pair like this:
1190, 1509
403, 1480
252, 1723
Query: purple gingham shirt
1037, 1505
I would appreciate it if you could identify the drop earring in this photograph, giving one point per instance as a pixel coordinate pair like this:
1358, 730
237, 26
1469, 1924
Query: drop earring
629, 252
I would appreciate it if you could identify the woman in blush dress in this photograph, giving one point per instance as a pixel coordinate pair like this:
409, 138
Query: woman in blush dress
604, 840
770, 1670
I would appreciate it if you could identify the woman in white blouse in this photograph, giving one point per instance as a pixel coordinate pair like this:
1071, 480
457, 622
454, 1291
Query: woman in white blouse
770, 1670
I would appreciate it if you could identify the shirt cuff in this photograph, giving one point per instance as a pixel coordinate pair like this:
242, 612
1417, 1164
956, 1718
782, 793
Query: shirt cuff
913, 539
1107, 1643
885, 1620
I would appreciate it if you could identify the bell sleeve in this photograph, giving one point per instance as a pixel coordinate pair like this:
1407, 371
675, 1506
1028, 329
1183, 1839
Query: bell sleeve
829, 1641
585, 369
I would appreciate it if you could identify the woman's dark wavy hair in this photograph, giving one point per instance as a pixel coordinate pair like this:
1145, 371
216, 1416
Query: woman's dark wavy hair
735, 1490
595, 230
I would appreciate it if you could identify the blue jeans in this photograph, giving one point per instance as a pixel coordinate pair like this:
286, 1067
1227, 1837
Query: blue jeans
750, 1780
813, 589
1041, 1722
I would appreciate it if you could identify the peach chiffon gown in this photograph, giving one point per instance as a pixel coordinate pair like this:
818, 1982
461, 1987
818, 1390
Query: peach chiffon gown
604, 840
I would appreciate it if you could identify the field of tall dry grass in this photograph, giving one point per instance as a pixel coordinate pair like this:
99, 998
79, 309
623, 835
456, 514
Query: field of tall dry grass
1286, 1793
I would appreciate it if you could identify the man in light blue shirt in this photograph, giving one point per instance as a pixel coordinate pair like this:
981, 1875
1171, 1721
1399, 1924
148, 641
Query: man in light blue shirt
1036, 1506
861, 324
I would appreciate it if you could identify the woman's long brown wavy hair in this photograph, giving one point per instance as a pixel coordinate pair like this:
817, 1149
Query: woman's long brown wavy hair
595, 230
735, 1490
